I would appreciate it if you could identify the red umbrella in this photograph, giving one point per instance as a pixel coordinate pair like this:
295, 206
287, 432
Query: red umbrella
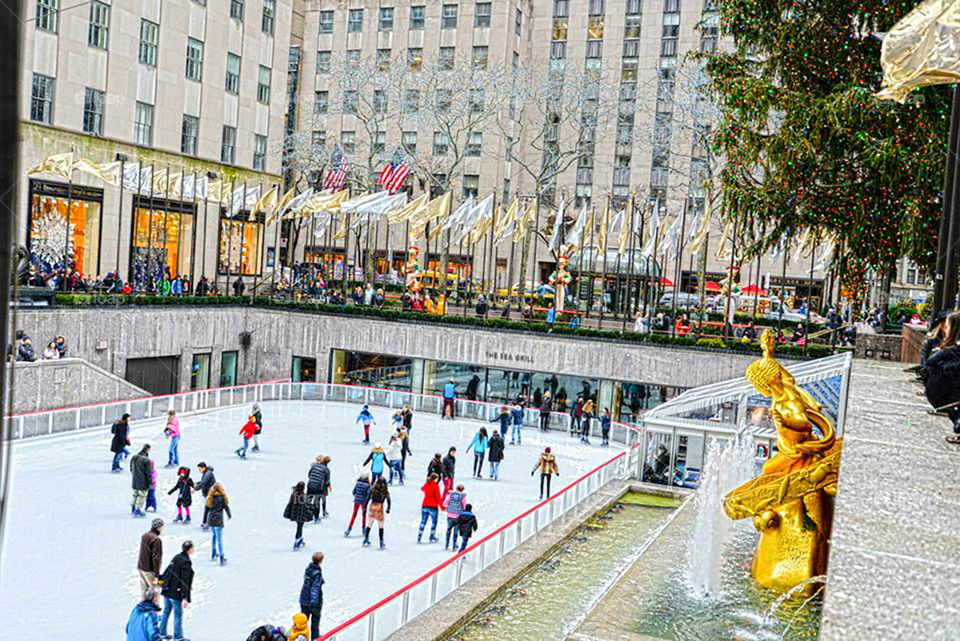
753, 289
666, 282
712, 286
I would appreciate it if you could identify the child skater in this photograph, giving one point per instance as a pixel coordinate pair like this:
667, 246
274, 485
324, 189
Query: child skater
299, 511
184, 488
152, 492
247, 432
379, 507
361, 496
366, 418
467, 524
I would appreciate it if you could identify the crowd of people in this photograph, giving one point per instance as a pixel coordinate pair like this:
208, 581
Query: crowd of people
23, 349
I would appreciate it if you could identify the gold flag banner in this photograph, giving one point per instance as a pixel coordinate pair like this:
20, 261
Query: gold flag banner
704, 227
481, 228
160, 182
343, 230
108, 172
922, 49
507, 218
267, 201
801, 246
406, 212
626, 228
604, 229
280, 206
525, 220
321, 202
58, 165
436, 208
722, 252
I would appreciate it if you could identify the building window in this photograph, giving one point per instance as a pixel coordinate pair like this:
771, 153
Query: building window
236, 9
93, 112
448, 17
408, 139
263, 85
323, 62
471, 186
440, 143
149, 32
162, 239
446, 58
143, 124
259, 152
350, 102
595, 28
232, 81
411, 101
326, 22
379, 142
911, 276
269, 14
561, 8
380, 101
48, 15
348, 141
475, 101
418, 16
474, 144
596, 7
321, 102
318, 139
481, 18
480, 55
353, 56
355, 21
518, 23
443, 101
415, 57
188, 135
97, 35
594, 49
194, 60
383, 59
632, 28
228, 145
49, 217
386, 18
240, 244
671, 6
634, 7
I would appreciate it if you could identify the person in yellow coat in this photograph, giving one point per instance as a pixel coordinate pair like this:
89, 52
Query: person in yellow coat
441, 308
299, 631
428, 305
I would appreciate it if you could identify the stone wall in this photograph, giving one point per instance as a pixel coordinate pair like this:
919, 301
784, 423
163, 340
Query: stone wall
878, 346
107, 337
45, 385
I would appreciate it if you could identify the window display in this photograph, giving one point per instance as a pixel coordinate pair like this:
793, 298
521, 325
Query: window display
161, 242
56, 236
240, 242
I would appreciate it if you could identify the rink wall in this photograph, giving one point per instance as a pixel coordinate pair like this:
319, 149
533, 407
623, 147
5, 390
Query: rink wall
108, 337
44, 385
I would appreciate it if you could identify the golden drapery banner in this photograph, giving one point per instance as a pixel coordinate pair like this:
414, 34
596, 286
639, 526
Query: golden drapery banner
704, 227
626, 228
267, 202
280, 206
437, 208
604, 229
108, 172
58, 165
922, 49
405, 213
529, 214
506, 219
723, 252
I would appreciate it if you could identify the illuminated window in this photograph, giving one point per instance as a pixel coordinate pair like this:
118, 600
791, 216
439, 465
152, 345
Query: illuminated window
162, 241
50, 224
240, 243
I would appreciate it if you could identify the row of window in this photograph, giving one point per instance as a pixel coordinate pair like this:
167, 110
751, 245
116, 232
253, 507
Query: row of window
47, 18
446, 58
41, 110
417, 18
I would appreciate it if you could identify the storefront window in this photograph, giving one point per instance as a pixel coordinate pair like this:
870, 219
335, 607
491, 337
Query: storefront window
240, 242
329, 259
55, 235
303, 370
200, 372
162, 240
372, 370
228, 369
470, 379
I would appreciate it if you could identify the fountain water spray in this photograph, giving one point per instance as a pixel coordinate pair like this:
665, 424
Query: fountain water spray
727, 464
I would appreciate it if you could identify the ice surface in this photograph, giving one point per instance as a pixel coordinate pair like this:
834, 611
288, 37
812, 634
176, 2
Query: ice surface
70, 550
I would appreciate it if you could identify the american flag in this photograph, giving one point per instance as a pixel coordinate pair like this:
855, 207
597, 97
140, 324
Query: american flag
337, 173
395, 171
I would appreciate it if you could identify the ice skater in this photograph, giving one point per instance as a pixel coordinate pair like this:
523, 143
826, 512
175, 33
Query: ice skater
430, 507
318, 486
365, 417
247, 432
377, 460
454, 505
299, 511
177, 583
466, 523
479, 446
495, 455
184, 488
449, 470
449, 399
207, 481
586, 418
258, 417
547, 464
504, 419
395, 455
150, 558
516, 434
152, 492
172, 432
144, 621
311, 594
217, 504
140, 466
361, 496
407, 414
605, 426
379, 508
121, 439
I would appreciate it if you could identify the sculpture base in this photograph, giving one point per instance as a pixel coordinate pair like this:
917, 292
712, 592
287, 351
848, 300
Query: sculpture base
794, 544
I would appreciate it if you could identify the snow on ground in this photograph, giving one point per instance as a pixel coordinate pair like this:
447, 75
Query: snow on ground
70, 550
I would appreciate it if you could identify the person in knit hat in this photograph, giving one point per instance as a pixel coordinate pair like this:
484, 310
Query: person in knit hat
299, 631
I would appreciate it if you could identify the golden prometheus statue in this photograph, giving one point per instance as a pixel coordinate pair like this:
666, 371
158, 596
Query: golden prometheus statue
792, 501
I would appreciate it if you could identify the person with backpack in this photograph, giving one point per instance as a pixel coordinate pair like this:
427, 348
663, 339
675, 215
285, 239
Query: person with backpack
516, 434
121, 439
496, 448
299, 511
377, 460
479, 446
466, 523
504, 419
605, 426
361, 496
177, 582
547, 464
140, 466
184, 488
207, 481
217, 504
318, 486
379, 508
311, 594
144, 621
258, 418
454, 504
172, 432
365, 417
248, 431
430, 507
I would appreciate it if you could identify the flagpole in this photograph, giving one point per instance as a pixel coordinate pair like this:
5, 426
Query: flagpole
193, 236
536, 245
606, 237
783, 288
491, 273
166, 212
646, 262
626, 297
678, 265
148, 275
66, 227
655, 298
592, 265
123, 160
276, 246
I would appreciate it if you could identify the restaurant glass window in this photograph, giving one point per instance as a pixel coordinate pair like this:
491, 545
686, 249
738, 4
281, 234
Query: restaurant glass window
303, 370
470, 379
228, 368
56, 235
162, 240
372, 370
240, 242
200, 372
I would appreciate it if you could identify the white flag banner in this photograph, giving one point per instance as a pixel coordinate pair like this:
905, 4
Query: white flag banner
146, 180
555, 236
253, 195
654, 230
574, 238
131, 176
478, 213
457, 217
203, 186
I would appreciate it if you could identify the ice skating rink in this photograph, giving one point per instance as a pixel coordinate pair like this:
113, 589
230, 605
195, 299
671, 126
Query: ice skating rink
70, 550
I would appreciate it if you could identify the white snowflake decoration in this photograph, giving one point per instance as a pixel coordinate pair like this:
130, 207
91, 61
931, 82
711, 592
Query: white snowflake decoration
49, 243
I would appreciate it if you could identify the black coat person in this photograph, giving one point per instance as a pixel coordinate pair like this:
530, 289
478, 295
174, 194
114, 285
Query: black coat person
941, 377
140, 470
178, 578
120, 429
